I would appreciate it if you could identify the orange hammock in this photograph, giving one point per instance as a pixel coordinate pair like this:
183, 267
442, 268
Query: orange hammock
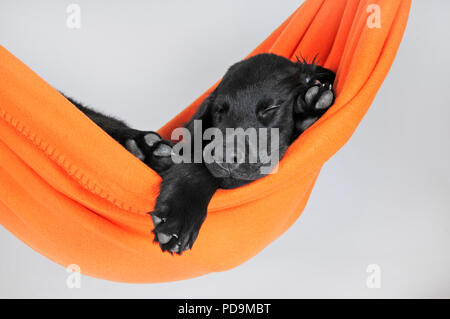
75, 195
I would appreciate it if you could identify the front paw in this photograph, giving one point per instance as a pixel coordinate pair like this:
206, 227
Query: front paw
310, 107
177, 226
150, 148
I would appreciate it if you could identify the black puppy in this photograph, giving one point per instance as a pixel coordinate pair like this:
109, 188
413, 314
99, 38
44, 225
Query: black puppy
265, 91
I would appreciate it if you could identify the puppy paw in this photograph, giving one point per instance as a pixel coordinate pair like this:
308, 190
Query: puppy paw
310, 107
176, 228
150, 148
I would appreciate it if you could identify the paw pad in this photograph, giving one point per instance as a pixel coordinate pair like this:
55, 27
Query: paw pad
150, 148
132, 146
151, 138
163, 150
316, 101
311, 93
325, 100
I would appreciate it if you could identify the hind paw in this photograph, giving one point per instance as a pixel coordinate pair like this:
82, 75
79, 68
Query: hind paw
150, 148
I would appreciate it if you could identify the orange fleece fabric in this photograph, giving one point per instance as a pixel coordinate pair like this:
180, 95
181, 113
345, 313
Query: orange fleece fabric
75, 195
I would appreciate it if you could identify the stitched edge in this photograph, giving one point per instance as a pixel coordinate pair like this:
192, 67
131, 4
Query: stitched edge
63, 162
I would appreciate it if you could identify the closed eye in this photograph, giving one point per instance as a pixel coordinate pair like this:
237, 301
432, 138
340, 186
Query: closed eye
267, 107
270, 108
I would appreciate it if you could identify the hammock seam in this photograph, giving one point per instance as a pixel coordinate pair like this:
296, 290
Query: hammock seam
61, 161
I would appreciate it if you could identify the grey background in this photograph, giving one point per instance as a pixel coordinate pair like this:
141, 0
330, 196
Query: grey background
383, 199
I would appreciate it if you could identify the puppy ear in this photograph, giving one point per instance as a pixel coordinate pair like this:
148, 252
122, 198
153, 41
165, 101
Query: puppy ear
203, 114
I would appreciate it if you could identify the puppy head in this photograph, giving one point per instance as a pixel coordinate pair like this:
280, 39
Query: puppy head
257, 96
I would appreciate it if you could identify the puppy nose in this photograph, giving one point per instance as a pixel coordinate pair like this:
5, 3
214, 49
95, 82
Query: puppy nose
230, 162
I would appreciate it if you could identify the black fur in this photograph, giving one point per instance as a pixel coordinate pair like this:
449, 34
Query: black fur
265, 91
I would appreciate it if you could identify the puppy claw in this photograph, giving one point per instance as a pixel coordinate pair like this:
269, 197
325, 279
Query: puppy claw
176, 249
